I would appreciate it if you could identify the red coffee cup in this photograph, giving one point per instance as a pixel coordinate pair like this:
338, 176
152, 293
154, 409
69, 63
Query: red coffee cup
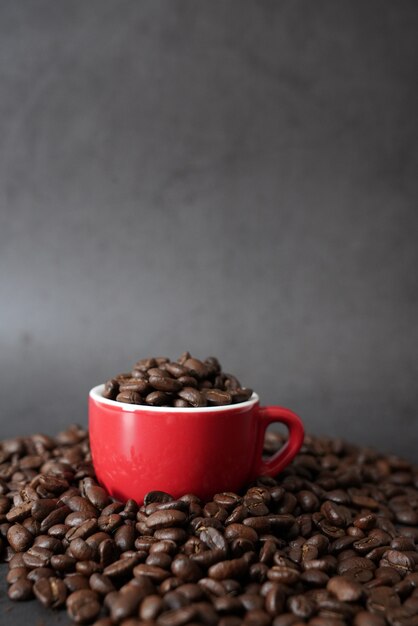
137, 449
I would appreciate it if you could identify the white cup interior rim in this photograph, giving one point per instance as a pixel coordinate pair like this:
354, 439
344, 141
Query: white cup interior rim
97, 394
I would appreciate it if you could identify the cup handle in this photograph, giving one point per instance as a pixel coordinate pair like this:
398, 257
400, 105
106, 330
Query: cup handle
267, 415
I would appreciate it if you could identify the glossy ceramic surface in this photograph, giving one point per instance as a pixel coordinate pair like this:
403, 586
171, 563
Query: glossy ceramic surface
137, 449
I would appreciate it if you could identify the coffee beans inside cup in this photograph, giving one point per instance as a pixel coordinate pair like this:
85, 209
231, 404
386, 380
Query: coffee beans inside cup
186, 383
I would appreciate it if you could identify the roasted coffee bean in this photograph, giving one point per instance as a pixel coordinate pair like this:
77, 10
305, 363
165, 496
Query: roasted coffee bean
213, 538
345, 589
19, 513
43, 507
178, 617
51, 592
234, 568
16, 573
154, 573
165, 383
83, 606
134, 384
22, 589
122, 567
124, 604
80, 550
241, 394
186, 569
101, 584
37, 557
81, 531
97, 496
130, 397
111, 389
166, 546
217, 397
75, 582
234, 531
63, 562
124, 538
166, 519
19, 537
194, 397
188, 381
158, 398
40, 572
364, 618
151, 607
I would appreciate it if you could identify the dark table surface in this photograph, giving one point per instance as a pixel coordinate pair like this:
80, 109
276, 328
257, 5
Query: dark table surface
26, 613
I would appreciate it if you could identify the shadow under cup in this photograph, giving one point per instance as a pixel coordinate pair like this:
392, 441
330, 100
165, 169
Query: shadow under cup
206, 450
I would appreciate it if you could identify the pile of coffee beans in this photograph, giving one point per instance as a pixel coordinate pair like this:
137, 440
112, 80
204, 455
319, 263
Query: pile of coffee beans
332, 541
187, 382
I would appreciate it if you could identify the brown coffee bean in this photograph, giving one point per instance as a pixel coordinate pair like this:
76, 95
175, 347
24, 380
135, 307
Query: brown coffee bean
75, 582
186, 569
283, 574
19, 513
191, 591
124, 604
43, 507
345, 589
398, 560
83, 606
55, 517
160, 559
158, 398
19, 537
364, 618
144, 365
353, 564
37, 557
154, 573
188, 381
382, 599
166, 519
165, 383
213, 538
121, 567
234, 568
151, 607
20, 590
101, 584
234, 531
108, 523
80, 550
111, 389
51, 592
196, 368
14, 574
97, 496
215, 397
178, 617
134, 384
194, 397
130, 397
241, 394
63, 562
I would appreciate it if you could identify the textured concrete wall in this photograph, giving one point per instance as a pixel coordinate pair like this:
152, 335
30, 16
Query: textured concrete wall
234, 178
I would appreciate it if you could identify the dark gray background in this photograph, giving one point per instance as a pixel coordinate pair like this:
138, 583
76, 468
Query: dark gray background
234, 178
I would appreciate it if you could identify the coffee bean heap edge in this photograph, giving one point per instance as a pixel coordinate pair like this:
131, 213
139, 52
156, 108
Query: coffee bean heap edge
331, 542
185, 383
